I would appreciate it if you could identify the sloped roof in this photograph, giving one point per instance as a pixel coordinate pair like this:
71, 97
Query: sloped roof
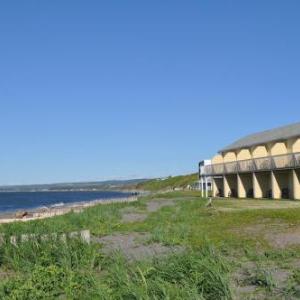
277, 134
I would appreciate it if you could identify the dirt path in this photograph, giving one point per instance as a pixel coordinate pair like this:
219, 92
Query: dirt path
131, 215
249, 278
136, 245
230, 205
278, 234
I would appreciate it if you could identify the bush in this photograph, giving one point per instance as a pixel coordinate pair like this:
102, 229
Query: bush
50, 283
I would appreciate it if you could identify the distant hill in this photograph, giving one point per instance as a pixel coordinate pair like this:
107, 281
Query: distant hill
77, 186
168, 183
158, 184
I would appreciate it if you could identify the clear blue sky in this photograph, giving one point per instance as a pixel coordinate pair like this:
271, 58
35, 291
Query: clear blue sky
91, 90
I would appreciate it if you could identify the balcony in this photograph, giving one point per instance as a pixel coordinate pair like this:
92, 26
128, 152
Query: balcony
269, 163
246, 165
231, 167
263, 164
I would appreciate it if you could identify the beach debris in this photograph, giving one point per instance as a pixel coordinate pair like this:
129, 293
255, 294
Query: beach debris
27, 237
63, 238
73, 234
209, 203
84, 236
21, 214
13, 240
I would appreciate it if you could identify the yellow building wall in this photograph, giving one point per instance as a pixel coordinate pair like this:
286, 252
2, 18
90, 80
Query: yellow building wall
289, 145
293, 145
229, 157
243, 154
296, 146
278, 148
296, 184
217, 159
259, 151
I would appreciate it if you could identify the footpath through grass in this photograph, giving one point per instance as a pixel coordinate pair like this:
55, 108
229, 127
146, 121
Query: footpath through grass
236, 249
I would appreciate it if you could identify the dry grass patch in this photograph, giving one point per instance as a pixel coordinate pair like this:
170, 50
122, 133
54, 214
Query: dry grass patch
229, 205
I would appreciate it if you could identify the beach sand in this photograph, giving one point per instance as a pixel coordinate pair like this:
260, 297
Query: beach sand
48, 212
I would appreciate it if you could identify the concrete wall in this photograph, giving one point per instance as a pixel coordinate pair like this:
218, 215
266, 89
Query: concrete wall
276, 184
230, 186
278, 148
293, 145
281, 186
218, 187
245, 185
259, 151
296, 146
217, 159
229, 157
243, 154
295, 174
262, 184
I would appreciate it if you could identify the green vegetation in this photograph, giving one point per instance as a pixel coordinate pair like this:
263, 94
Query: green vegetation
197, 275
230, 251
47, 270
169, 183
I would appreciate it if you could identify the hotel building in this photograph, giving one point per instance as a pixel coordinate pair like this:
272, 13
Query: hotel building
261, 165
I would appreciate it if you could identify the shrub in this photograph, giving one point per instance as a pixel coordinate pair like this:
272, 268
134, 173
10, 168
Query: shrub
50, 282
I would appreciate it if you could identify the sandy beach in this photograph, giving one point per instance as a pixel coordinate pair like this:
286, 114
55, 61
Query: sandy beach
48, 212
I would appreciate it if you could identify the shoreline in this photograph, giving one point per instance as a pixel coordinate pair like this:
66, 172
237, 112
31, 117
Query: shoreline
49, 212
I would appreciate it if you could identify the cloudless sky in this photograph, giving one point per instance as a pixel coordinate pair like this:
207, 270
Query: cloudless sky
93, 90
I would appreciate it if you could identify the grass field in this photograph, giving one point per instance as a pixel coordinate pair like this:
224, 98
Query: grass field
237, 249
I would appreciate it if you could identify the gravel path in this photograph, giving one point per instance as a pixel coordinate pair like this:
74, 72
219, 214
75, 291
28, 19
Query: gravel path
136, 245
131, 215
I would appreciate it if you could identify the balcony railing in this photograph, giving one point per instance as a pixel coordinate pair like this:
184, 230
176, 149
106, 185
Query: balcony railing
231, 167
297, 160
246, 165
218, 169
285, 161
263, 164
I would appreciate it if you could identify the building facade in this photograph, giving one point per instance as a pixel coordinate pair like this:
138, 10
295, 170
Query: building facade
261, 165
205, 182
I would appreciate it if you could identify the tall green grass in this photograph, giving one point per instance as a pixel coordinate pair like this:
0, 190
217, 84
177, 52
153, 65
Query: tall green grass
49, 269
74, 270
72, 254
201, 274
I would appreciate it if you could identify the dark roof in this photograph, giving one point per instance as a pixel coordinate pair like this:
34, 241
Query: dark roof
277, 134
